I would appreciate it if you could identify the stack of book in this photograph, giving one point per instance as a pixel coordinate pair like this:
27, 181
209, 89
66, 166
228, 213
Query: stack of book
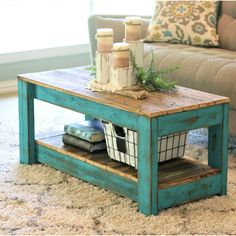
86, 135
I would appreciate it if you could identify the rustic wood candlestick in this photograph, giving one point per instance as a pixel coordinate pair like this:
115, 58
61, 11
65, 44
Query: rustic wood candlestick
121, 71
122, 77
103, 67
137, 48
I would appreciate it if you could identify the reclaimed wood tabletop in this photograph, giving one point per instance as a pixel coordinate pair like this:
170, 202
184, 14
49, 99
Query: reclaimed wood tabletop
73, 81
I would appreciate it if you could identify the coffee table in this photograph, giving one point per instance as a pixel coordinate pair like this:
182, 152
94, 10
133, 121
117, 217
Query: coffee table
154, 186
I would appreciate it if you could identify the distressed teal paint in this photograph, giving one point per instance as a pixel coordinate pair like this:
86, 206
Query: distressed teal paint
26, 122
145, 191
225, 134
147, 166
144, 166
87, 117
215, 146
93, 109
154, 153
218, 147
176, 195
87, 172
189, 120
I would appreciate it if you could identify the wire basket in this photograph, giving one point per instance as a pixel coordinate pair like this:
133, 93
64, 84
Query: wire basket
122, 144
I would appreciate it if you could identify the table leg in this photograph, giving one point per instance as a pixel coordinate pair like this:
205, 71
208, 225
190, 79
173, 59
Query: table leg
87, 117
218, 147
26, 123
147, 166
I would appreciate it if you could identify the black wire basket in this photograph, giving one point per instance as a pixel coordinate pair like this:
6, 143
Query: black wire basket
122, 144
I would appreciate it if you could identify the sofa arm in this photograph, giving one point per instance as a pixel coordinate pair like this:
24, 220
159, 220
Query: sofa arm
110, 21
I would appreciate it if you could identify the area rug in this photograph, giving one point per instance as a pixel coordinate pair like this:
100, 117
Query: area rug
36, 199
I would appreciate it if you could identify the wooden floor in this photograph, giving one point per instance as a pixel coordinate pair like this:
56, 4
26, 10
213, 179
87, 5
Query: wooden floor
171, 173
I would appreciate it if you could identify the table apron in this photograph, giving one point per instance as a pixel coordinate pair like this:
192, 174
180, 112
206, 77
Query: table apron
91, 108
87, 172
189, 120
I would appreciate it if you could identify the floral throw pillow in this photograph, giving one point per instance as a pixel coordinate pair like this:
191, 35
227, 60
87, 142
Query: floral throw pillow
187, 22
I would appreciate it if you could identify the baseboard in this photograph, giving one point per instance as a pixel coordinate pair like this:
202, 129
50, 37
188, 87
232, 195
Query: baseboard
8, 86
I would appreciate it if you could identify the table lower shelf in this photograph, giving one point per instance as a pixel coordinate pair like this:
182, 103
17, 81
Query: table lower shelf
170, 173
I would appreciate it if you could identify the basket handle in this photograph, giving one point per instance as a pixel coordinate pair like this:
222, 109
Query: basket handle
115, 134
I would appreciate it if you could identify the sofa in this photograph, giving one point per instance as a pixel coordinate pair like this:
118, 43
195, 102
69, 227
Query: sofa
209, 69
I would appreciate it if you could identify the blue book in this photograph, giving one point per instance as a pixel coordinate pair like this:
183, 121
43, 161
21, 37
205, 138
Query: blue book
91, 131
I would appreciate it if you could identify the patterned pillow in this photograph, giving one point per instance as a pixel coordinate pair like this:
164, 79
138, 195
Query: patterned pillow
187, 22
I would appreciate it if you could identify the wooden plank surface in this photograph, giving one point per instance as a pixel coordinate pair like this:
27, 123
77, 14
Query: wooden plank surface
74, 80
189, 120
90, 173
99, 159
170, 173
93, 109
200, 188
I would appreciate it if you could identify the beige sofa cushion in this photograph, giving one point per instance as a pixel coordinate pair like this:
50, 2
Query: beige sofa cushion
187, 22
227, 25
212, 70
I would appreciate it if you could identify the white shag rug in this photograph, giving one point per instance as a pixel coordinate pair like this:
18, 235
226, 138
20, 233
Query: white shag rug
36, 199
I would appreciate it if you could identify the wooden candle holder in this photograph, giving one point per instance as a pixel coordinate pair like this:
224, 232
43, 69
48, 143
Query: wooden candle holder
122, 77
103, 67
137, 48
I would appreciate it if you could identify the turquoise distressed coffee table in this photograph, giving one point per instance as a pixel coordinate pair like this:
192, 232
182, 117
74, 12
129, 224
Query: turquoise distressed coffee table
154, 186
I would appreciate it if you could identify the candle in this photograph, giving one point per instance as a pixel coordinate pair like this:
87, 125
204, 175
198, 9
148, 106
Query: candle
104, 40
120, 55
133, 28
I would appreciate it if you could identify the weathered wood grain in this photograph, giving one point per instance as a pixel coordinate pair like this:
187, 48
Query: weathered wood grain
147, 176
189, 120
96, 110
99, 159
218, 148
224, 156
87, 172
73, 81
154, 186
103, 67
137, 48
170, 173
178, 194
186, 172
122, 77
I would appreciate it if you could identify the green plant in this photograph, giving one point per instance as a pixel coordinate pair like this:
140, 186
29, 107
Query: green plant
92, 70
151, 79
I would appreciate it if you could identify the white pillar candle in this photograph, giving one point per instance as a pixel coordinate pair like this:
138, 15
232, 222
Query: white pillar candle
120, 55
104, 40
133, 28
